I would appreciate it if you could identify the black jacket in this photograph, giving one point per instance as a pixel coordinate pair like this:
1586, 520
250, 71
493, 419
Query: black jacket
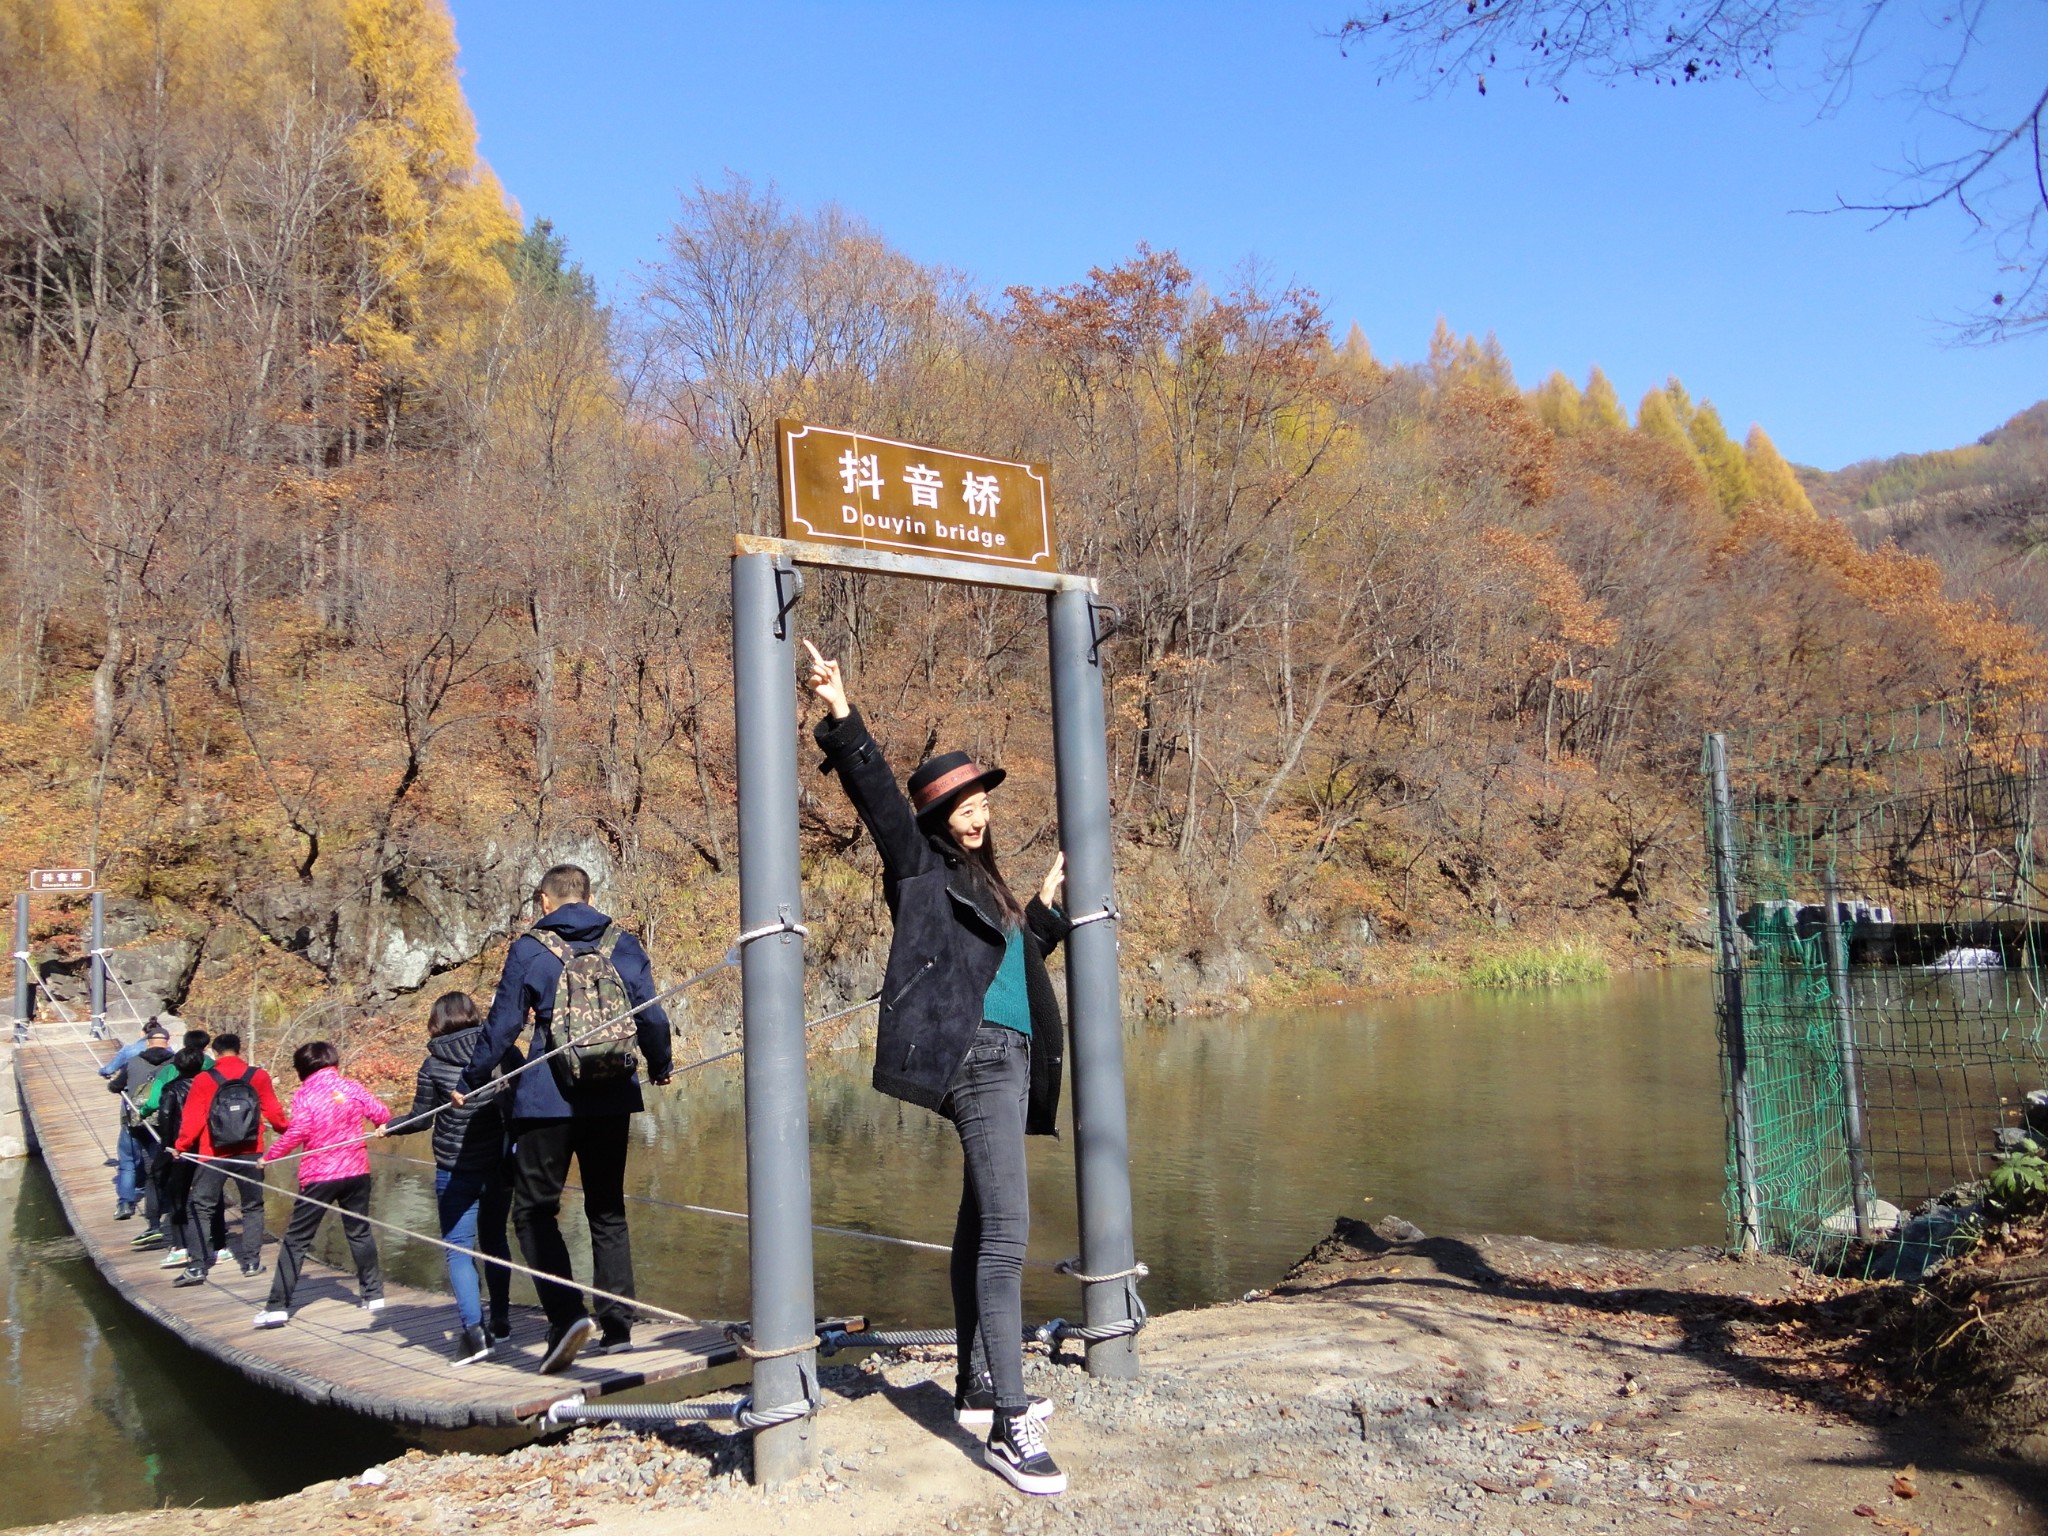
948, 943
152, 1059
471, 1137
527, 990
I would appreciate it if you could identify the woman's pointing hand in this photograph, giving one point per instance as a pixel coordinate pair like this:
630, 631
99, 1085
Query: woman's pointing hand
827, 683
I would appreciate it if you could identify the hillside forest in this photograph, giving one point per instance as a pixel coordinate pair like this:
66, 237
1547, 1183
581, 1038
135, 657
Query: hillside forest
360, 562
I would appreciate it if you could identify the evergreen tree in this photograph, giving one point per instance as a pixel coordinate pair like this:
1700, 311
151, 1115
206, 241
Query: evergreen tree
1774, 479
1600, 407
1657, 417
1727, 470
1556, 400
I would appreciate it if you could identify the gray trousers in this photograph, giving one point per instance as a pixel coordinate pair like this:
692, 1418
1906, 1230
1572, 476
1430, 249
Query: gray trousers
986, 1105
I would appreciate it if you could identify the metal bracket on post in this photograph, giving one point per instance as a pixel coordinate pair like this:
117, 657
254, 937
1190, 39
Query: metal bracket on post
1099, 632
789, 588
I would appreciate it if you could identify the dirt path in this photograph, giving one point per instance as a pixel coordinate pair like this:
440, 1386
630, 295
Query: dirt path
1435, 1385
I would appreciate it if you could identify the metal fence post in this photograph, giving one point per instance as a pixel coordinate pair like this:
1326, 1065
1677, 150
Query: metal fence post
1733, 1028
21, 967
1101, 1132
772, 979
96, 972
1852, 1070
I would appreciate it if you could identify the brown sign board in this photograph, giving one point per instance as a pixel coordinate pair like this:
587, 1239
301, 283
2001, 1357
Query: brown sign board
849, 490
60, 882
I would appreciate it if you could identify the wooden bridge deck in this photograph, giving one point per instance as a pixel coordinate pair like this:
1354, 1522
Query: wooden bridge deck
392, 1365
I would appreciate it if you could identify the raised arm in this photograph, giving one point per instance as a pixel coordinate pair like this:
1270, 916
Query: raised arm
865, 774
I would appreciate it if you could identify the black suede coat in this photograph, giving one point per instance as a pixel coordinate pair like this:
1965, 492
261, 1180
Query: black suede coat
948, 944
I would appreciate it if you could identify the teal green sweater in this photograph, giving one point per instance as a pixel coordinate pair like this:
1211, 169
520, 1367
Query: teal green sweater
1008, 1003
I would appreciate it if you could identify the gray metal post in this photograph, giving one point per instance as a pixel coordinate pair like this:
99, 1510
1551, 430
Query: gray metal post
772, 976
21, 966
1733, 1029
1852, 1071
1101, 1133
96, 972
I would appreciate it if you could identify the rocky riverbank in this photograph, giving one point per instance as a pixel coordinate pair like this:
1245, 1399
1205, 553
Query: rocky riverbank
1392, 1383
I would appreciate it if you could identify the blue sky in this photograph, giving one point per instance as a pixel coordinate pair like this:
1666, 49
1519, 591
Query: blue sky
1650, 231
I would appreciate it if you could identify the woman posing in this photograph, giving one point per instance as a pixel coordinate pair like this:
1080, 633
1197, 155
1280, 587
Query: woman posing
969, 1028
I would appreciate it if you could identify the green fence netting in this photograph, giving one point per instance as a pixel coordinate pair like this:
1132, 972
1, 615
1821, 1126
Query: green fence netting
1903, 1055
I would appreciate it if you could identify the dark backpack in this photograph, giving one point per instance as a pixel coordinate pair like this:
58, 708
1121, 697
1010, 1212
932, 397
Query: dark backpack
236, 1116
592, 1015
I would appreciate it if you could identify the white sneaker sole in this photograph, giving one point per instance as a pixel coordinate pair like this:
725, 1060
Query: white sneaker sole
985, 1418
1021, 1480
272, 1319
564, 1354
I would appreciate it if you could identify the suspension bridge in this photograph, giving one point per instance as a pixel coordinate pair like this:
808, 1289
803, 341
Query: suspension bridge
393, 1365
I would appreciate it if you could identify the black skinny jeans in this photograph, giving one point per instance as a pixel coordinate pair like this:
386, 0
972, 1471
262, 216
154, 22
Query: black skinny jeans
540, 1168
353, 1196
986, 1105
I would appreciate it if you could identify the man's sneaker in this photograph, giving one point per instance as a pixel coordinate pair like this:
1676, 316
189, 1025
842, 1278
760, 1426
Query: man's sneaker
501, 1328
1016, 1450
977, 1409
471, 1345
148, 1237
611, 1342
272, 1317
123, 1209
253, 1268
373, 1303
193, 1276
225, 1256
177, 1258
563, 1348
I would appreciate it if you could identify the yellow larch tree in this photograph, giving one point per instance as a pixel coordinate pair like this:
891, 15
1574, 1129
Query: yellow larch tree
1600, 407
1775, 482
1727, 470
439, 224
1556, 400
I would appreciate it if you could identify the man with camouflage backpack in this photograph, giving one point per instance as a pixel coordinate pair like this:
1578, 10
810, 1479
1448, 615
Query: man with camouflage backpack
578, 978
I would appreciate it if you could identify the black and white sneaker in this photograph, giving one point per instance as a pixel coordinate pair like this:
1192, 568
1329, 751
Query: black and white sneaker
1016, 1450
976, 1409
563, 1350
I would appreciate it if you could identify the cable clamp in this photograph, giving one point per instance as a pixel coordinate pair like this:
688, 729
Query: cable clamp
1110, 913
782, 924
1073, 1267
747, 1416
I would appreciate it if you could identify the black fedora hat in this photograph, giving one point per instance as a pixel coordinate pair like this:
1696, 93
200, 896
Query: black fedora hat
941, 780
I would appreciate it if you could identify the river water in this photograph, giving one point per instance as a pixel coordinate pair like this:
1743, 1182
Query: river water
1585, 1113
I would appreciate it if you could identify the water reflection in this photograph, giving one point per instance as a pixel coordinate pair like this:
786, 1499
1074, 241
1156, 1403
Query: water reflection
1585, 1113
102, 1410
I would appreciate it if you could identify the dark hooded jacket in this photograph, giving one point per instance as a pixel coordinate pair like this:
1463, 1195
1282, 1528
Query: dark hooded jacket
948, 944
470, 1137
527, 990
152, 1059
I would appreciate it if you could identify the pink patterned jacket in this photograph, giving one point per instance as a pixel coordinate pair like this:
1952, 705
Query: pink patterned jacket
328, 1117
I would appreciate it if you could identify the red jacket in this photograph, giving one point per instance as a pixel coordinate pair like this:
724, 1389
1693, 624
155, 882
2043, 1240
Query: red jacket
193, 1131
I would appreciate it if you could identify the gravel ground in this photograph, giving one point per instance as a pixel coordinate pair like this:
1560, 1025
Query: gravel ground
1392, 1384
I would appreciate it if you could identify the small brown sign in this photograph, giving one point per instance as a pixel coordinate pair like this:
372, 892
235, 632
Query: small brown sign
876, 493
63, 882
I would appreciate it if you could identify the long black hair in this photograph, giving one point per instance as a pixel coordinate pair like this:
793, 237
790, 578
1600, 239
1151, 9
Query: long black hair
982, 861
